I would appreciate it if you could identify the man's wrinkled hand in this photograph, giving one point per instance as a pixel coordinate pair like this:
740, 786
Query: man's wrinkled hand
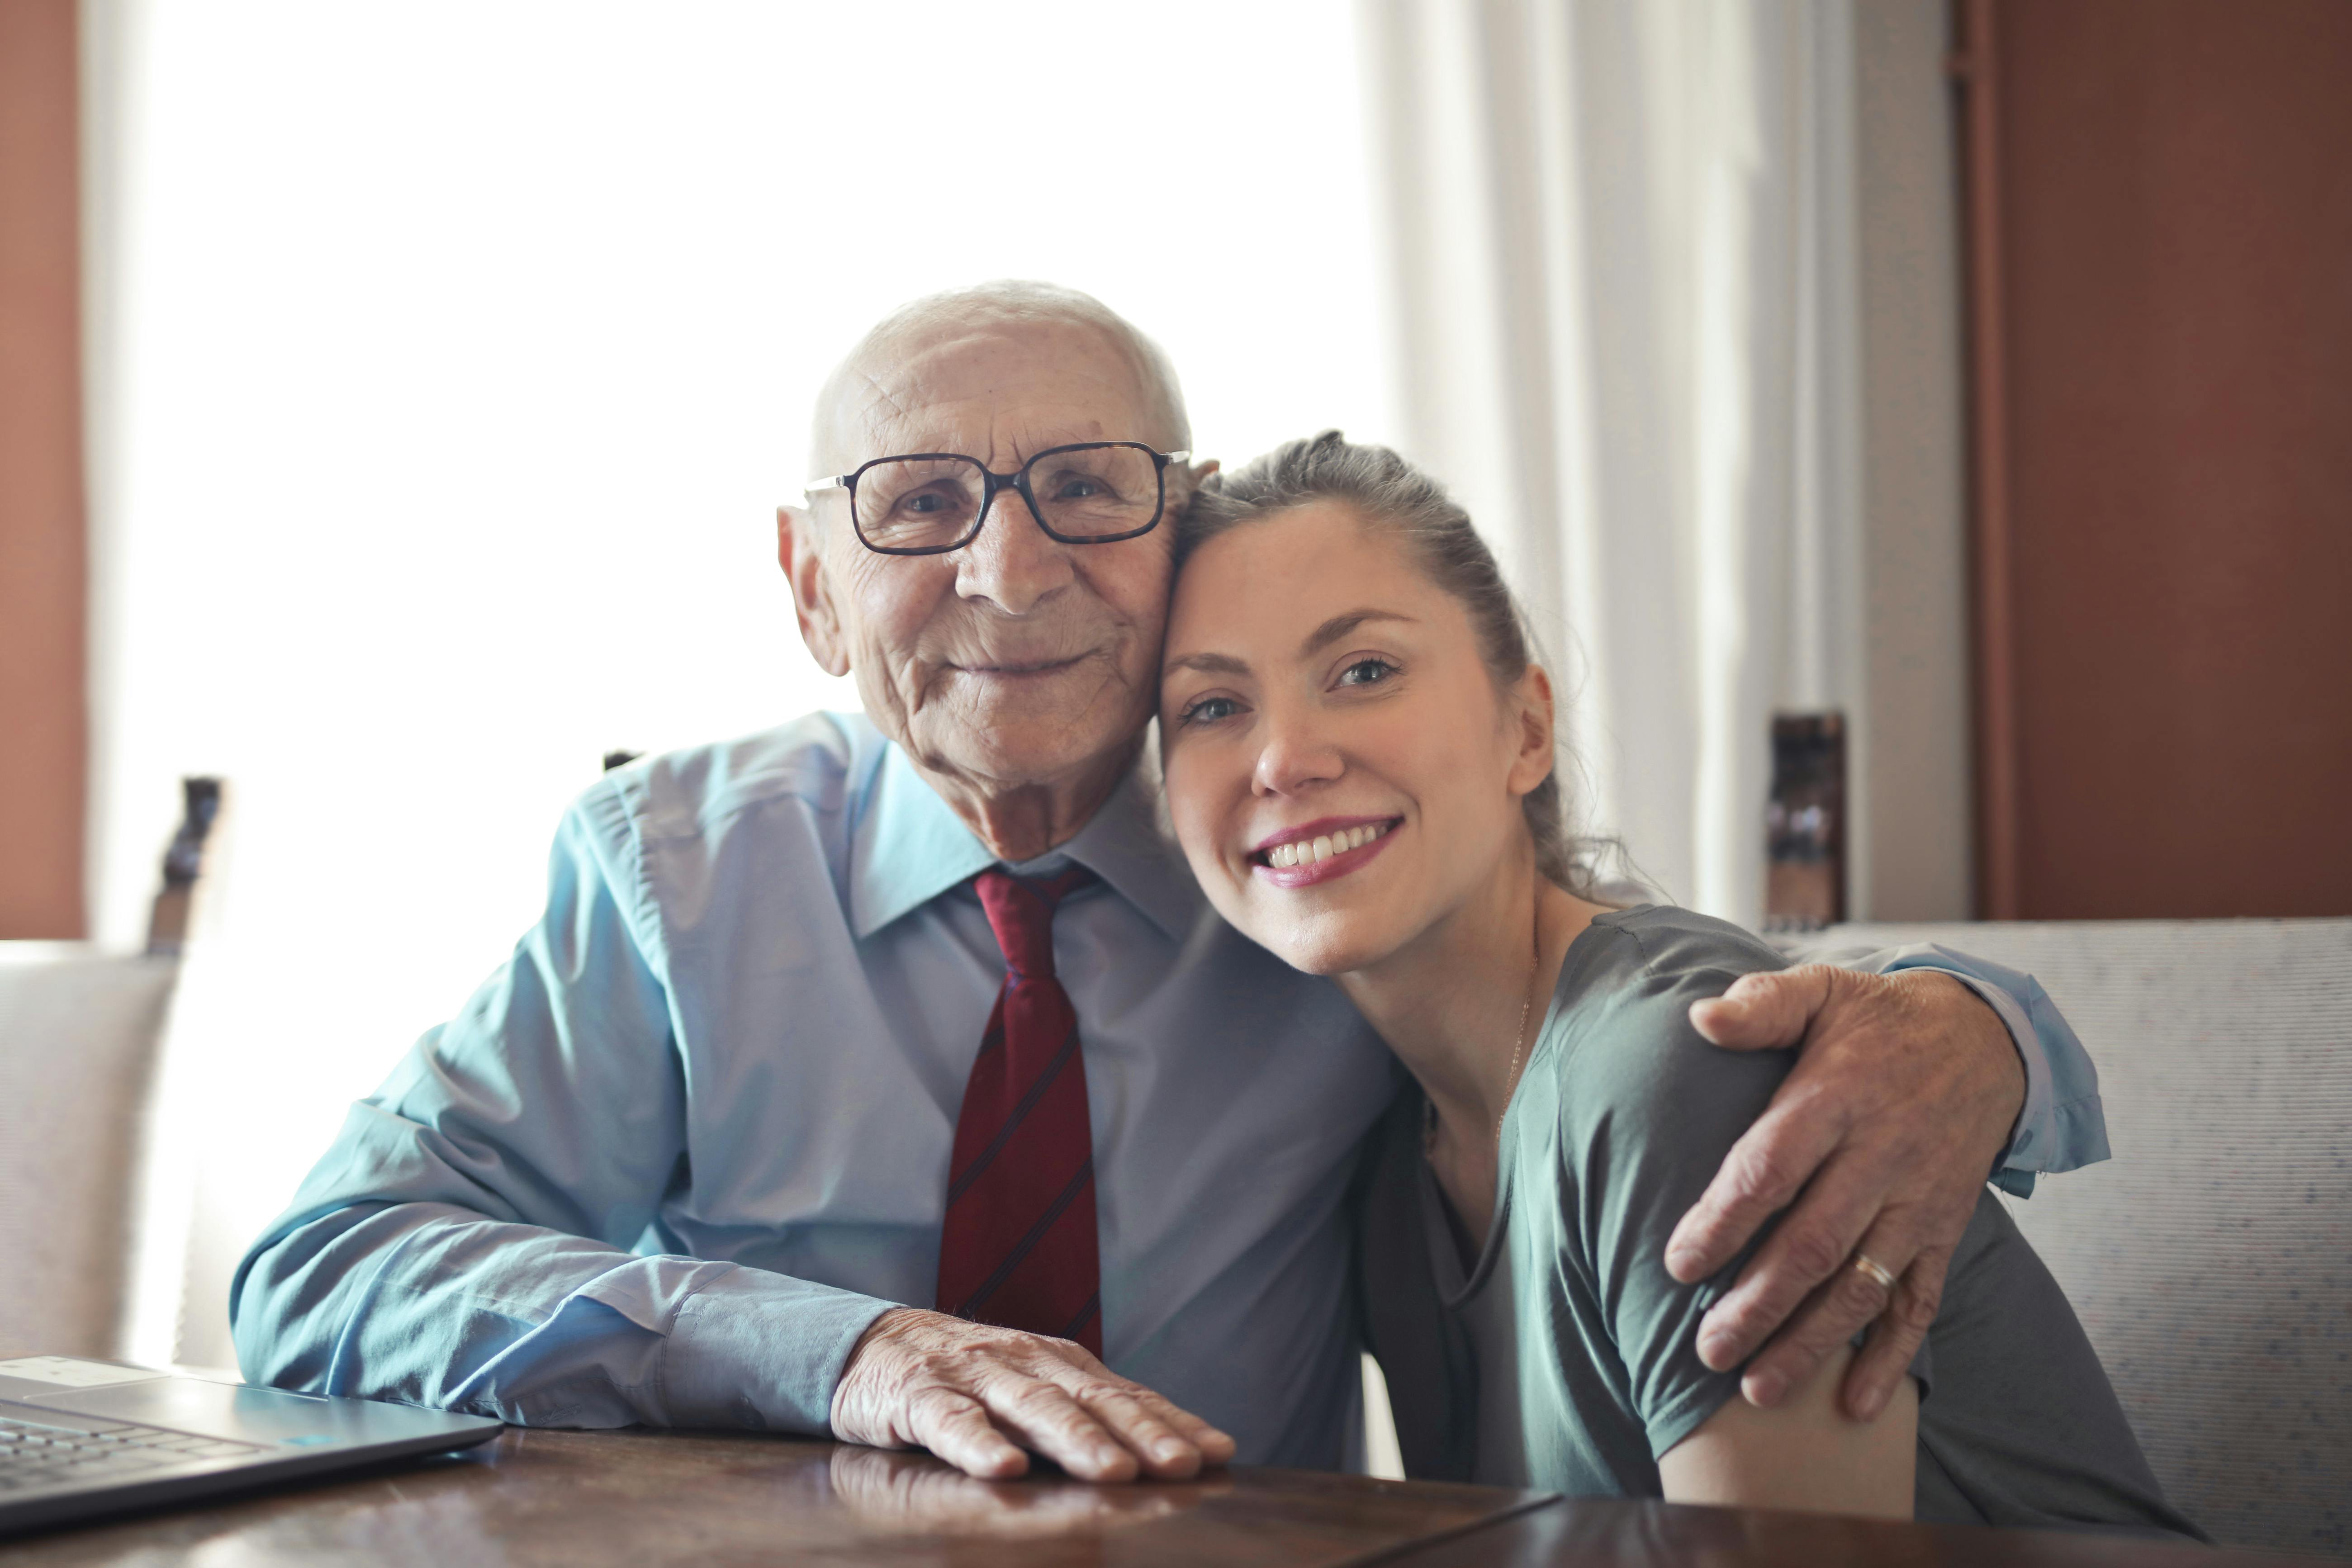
979, 1396
1907, 1088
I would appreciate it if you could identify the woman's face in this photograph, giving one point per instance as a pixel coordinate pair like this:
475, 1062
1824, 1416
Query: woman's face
1342, 772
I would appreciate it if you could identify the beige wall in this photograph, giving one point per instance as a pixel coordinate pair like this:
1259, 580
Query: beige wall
1913, 481
43, 722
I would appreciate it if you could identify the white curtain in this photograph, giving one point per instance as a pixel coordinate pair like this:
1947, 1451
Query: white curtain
1622, 271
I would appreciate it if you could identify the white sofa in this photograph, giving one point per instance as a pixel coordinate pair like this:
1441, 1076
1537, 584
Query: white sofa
2211, 1260
79, 1038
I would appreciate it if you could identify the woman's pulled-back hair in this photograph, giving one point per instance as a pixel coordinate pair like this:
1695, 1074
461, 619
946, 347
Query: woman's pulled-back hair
1388, 493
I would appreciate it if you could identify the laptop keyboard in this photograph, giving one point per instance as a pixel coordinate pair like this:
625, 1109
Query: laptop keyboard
72, 1449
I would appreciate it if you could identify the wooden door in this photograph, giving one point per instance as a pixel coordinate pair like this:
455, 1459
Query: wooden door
42, 617
2161, 255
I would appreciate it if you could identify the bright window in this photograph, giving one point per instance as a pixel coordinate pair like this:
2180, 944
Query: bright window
463, 351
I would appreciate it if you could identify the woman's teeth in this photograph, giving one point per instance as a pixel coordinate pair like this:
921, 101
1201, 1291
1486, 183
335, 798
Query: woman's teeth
1307, 851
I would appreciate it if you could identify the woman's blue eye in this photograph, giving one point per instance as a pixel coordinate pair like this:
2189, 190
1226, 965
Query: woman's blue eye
1208, 710
1366, 672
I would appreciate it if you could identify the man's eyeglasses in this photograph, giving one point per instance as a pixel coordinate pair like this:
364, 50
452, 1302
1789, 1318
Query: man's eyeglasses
926, 503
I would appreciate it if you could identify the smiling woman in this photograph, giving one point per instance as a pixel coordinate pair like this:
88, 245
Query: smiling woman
1360, 768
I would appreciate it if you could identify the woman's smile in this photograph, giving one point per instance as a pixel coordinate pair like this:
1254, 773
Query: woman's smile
1319, 852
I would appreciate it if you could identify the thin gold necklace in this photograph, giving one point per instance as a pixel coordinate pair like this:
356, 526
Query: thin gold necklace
1518, 1048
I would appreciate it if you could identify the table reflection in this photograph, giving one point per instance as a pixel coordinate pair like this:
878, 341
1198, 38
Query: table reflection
915, 1494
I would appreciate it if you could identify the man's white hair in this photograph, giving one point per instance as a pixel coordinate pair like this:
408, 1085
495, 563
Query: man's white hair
1006, 302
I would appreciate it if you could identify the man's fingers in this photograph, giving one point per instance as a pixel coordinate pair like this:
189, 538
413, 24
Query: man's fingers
1079, 1374
1142, 1419
1216, 1447
1048, 1420
1164, 1454
1906, 1125
1885, 1360
977, 1395
1766, 1010
1849, 1299
955, 1427
1812, 1244
1767, 1168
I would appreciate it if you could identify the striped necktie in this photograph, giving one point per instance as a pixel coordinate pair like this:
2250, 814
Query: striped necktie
1018, 1247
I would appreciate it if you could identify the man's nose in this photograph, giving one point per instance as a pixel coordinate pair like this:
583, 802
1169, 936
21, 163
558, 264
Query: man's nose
1012, 564
1297, 756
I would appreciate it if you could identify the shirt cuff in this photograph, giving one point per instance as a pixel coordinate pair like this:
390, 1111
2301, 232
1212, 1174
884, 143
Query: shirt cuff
2061, 1126
2035, 1131
763, 1350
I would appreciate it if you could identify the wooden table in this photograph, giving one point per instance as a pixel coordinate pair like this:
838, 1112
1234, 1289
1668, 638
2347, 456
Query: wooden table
571, 1499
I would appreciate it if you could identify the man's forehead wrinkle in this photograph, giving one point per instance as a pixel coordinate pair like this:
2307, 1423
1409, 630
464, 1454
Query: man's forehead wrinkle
913, 370
879, 392
881, 407
998, 403
866, 404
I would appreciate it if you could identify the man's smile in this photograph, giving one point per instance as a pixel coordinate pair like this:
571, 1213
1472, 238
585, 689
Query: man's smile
1012, 670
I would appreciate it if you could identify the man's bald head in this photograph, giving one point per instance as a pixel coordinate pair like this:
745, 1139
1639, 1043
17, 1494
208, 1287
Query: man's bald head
874, 379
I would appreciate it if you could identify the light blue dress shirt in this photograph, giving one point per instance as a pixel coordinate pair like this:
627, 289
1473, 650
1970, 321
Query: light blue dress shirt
673, 1158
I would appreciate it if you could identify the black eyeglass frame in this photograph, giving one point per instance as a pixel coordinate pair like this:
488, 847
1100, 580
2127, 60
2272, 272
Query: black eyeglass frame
992, 483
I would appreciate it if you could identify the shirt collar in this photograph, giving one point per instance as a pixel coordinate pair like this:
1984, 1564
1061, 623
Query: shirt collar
1126, 847
910, 847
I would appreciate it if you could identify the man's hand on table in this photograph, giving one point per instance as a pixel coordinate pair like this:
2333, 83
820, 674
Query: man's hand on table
976, 1396
1906, 1089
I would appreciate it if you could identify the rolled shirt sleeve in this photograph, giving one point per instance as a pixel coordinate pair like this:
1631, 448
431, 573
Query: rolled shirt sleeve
476, 1237
2062, 1126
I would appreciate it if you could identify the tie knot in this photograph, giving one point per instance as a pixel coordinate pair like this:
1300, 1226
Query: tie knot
1020, 913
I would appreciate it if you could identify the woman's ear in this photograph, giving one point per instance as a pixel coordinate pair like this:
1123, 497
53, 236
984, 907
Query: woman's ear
1531, 712
800, 552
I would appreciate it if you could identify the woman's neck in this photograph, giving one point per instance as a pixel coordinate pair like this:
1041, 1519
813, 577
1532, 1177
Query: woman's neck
1461, 1006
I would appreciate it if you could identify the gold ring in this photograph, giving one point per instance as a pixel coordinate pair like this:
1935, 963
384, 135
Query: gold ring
1866, 1264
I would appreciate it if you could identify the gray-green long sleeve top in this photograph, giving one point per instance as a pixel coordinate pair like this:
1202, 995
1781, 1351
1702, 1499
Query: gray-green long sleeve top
1565, 1357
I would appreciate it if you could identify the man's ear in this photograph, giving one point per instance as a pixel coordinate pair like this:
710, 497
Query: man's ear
800, 551
1536, 730
1187, 483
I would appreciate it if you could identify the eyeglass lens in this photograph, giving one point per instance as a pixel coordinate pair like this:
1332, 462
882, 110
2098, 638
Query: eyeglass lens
1086, 492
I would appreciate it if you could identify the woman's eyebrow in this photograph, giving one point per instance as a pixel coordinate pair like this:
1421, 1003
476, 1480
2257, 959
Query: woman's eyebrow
1210, 664
1329, 632
1339, 626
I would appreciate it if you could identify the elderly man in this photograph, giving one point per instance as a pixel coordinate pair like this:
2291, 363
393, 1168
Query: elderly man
793, 1056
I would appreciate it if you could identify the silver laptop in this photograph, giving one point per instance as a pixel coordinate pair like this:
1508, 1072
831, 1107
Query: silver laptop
86, 1440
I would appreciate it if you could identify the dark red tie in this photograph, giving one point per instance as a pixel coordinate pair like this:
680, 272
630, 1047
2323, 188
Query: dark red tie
1018, 1248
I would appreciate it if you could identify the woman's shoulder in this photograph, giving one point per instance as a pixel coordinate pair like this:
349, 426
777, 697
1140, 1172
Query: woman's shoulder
1639, 970
1619, 1040
1664, 942
1641, 1113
